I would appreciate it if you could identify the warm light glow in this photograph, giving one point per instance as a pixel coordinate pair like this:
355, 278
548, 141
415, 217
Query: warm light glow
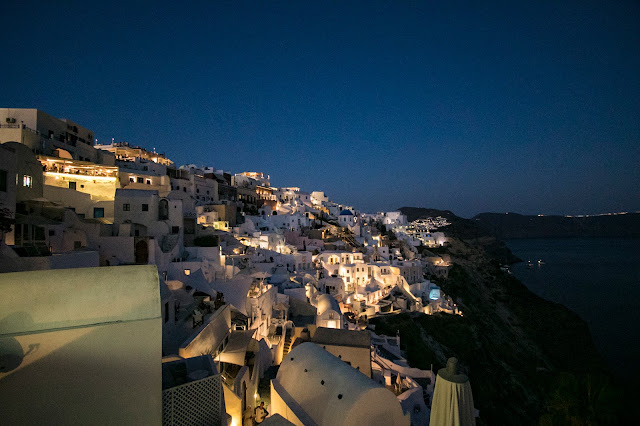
187, 271
81, 177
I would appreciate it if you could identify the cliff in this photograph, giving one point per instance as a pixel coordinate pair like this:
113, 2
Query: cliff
466, 230
524, 355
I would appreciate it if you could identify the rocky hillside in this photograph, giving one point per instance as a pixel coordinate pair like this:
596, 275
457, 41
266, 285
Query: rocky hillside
465, 230
513, 225
529, 360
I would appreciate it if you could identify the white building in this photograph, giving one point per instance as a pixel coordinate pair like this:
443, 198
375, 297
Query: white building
329, 313
313, 387
56, 368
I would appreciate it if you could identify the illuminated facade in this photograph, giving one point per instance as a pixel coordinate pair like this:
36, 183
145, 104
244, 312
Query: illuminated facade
123, 151
86, 187
43, 134
261, 178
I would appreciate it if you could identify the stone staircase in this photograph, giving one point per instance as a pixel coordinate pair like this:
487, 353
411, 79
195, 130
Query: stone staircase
288, 339
349, 239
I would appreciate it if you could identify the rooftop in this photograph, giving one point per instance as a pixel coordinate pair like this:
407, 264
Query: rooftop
338, 337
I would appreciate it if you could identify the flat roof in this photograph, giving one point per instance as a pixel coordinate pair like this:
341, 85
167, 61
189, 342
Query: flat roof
339, 337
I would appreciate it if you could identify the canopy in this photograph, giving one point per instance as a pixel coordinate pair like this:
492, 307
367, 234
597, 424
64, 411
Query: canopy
452, 403
234, 352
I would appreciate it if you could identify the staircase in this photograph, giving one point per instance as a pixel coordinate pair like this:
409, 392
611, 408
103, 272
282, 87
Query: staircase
349, 239
287, 342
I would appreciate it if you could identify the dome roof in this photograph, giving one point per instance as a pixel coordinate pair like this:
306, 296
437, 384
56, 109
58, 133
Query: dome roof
346, 213
323, 389
326, 302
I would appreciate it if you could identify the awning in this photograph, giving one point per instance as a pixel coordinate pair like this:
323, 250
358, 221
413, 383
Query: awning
234, 352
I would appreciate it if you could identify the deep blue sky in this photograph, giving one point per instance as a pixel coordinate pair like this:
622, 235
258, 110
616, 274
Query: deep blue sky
533, 108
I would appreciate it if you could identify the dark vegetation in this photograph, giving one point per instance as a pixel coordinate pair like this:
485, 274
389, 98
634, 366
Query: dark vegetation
207, 241
530, 361
6, 221
467, 231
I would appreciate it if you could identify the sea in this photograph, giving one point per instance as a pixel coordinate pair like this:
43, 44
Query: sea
598, 279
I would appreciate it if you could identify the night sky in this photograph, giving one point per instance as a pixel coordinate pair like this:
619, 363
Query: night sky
527, 108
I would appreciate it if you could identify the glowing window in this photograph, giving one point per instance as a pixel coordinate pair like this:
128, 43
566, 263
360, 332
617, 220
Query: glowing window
27, 181
187, 271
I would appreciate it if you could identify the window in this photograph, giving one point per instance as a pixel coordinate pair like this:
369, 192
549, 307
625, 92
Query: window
126, 207
131, 180
3, 180
72, 185
98, 212
175, 229
140, 180
52, 232
77, 245
145, 207
184, 189
27, 181
148, 181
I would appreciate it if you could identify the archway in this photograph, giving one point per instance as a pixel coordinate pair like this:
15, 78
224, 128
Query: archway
163, 210
142, 252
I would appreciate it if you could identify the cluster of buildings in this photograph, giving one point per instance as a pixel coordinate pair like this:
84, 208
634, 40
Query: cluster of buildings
249, 293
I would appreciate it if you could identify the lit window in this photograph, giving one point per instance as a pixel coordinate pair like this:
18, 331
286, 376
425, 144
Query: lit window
187, 271
27, 181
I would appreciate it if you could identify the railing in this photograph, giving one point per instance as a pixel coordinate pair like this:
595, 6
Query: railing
70, 170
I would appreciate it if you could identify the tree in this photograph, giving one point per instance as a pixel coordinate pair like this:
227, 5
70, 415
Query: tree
6, 221
206, 241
